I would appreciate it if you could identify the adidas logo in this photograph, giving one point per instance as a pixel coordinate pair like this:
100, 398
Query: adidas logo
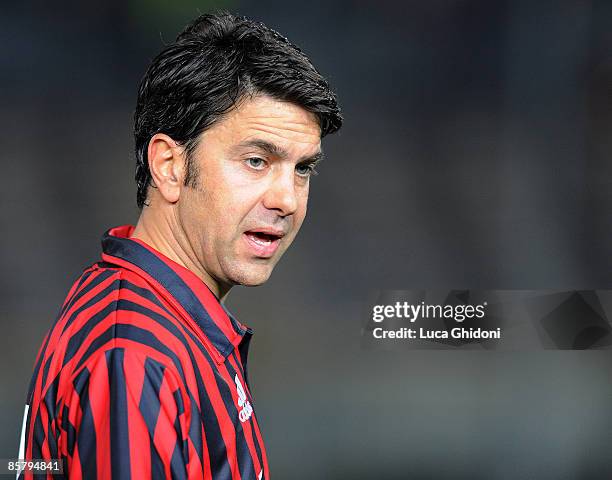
245, 406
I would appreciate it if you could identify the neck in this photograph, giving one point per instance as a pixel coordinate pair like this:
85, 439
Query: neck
158, 231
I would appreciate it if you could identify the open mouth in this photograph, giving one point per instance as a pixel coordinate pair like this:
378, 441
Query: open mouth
262, 238
263, 244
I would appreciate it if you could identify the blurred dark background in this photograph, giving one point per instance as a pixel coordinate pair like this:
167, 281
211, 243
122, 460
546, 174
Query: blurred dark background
475, 154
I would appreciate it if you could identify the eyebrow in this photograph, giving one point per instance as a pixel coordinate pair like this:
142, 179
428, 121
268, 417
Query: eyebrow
276, 151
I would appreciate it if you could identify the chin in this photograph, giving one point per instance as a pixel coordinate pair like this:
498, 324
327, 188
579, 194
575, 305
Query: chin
252, 277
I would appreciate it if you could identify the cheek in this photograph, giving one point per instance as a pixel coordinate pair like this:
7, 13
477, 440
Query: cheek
226, 195
230, 207
234, 190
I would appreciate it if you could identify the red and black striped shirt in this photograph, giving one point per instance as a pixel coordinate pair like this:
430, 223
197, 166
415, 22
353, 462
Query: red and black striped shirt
143, 375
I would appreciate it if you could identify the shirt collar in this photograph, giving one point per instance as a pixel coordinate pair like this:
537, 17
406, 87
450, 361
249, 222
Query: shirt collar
192, 294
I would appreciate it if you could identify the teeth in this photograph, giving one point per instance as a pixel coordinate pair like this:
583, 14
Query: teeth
261, 241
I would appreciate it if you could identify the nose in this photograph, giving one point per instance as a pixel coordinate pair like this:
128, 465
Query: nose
281, 194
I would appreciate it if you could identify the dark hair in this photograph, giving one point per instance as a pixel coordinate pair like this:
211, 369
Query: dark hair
214, 62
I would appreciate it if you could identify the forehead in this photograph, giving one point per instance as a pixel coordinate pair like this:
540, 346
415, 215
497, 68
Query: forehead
283, 124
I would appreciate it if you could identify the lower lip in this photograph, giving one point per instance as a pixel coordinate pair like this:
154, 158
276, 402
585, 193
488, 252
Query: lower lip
261, 249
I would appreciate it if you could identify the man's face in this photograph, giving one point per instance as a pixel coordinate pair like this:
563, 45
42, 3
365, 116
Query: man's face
251, 191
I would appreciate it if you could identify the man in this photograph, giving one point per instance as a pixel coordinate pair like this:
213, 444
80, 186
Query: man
144, 372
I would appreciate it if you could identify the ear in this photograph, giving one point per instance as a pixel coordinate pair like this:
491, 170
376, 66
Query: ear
166, 164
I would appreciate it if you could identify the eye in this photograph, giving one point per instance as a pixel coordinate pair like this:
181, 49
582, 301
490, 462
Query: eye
305, 169
256, 163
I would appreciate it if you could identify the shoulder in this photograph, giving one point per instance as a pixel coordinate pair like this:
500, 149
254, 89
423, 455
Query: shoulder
109, 314
106, 290
116, 308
